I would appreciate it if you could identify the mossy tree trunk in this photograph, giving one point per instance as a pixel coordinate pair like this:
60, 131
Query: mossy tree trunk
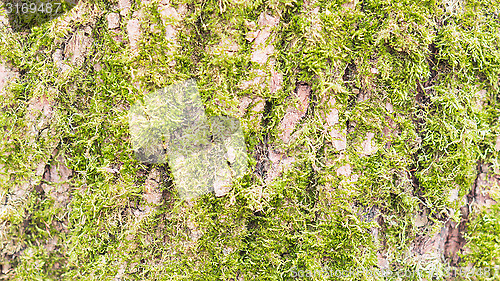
372, 128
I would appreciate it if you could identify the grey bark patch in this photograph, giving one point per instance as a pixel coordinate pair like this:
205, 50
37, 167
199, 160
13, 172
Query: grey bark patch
339, 139
303, 94
367, 146
168, 13
152, 194
78, 47
6, 76
262, 45
276, 81
280, 163
124, 7
243, 105
113, 20
345, 171
226, 46
287, 125
39, 115
56, 185
295, 113
427, 248
333, 117
58, 59
454, 242
389, 107
337, 134
134, 33
486, 182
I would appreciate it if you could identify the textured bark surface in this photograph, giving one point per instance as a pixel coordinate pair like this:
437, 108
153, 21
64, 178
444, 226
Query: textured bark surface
372, 132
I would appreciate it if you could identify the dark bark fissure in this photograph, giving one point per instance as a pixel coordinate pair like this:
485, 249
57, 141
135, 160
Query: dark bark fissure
261, 155
452, 232
455, 240
348, 78
423, 101
261, 151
